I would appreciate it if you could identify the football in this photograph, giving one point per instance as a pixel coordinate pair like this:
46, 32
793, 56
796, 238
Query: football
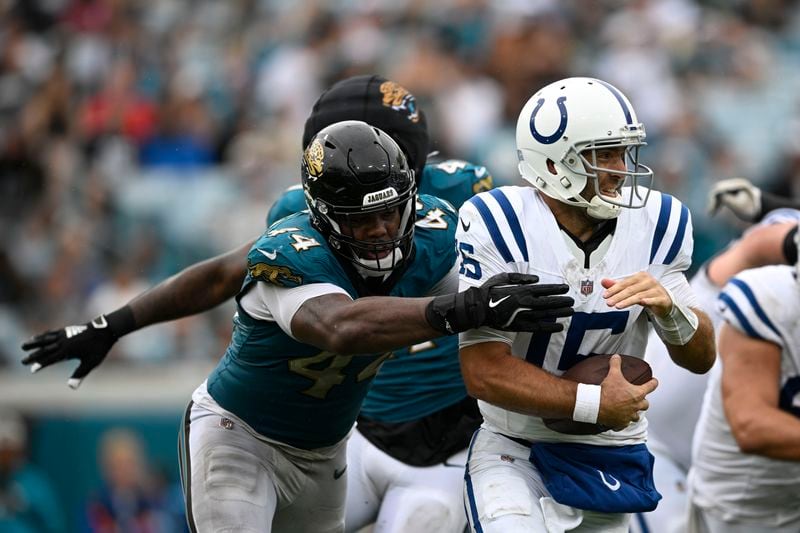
593, 370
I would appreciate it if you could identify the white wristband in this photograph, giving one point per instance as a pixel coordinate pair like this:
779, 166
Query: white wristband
679, 326
587, 403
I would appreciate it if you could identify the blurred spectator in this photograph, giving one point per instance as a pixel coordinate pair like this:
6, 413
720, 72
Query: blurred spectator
184, 138
119, 108
106, 106
27, 501
131, 500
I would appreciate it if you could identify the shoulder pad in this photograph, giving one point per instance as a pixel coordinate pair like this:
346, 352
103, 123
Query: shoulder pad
671, 224
755, 302
291, 201
455, 180
292, 253
434, 213
435, 229
494, 217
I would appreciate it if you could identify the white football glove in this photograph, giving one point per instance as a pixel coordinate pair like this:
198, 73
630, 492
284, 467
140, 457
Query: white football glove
737, 194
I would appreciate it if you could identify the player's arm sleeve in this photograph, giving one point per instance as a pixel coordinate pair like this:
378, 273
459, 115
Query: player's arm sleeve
677, 283
266, 301
672, 247
479, 260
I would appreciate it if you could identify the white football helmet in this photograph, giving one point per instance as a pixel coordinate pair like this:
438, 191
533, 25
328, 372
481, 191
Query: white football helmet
565, 123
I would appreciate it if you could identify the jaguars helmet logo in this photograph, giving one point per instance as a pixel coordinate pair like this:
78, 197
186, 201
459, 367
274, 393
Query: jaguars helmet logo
483, 184
398, 98
314, 156
279, 275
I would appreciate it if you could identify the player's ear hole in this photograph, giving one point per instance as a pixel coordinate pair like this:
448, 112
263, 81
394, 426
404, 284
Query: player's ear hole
551, 166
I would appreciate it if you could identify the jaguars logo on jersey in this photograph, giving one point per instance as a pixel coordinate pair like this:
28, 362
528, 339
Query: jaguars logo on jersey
314, 156
398, 98
277, 275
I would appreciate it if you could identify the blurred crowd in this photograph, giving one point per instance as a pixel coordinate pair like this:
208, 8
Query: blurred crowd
139, 137
131, 494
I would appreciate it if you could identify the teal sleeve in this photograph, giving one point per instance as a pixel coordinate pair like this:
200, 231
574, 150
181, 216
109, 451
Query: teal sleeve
291, 201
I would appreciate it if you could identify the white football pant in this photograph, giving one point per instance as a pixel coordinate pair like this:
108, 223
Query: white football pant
234, 481
400, 498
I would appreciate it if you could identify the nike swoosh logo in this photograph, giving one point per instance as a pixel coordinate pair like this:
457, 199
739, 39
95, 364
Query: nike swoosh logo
492, 303
100, 322
464, 225
339, 473
71, 331
613, 486
269, 255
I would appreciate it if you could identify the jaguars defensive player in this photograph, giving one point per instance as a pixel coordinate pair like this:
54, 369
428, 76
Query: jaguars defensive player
264, 440
745, 473
406, 459
425, 424
590, 221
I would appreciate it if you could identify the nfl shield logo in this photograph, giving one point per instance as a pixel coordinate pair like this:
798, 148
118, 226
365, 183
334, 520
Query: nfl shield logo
587, 286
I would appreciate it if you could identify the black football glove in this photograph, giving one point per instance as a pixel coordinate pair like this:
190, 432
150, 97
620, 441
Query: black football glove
509, 301
89, 343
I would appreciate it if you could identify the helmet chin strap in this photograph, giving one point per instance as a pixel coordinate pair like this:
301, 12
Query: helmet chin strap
386, 264
600, 209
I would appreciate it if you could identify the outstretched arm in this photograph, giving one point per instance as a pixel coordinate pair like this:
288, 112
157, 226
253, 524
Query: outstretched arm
751, 374
763, 245
338, 324
198, 288
193, 290
514, 302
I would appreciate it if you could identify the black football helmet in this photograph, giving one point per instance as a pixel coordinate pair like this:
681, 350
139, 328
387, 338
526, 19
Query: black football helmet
351, 168
379, 102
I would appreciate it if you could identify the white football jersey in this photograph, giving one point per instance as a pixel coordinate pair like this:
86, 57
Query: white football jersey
511, 229
675, 404
762, 303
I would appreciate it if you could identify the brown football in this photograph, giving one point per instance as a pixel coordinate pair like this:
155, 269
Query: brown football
593, 371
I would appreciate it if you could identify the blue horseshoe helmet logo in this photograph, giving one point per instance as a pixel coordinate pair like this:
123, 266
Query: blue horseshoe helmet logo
550, 139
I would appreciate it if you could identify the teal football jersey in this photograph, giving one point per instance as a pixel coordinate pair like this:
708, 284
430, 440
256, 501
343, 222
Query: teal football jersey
425, 378
455, 181
294, 392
